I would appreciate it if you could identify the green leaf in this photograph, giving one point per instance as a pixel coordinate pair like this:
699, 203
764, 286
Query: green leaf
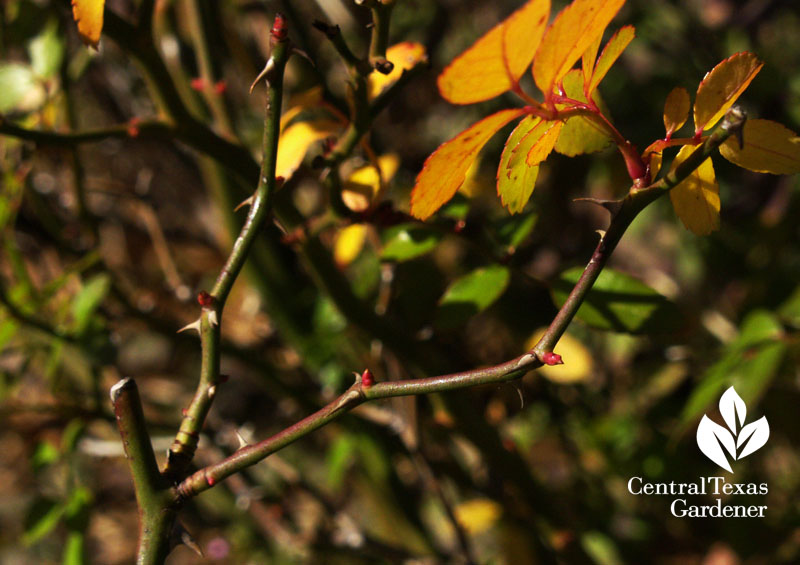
407, 241
46, 51
581, 134
471, 294
789, 311
748, 363
74, 550
513, 230
88, 300
341, 454
18, 88
601, 548
44, 515
620, 303
44, 454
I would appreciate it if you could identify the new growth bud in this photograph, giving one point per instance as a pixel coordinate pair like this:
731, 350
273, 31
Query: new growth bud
367, 380
280, 30
204, 299
551, 358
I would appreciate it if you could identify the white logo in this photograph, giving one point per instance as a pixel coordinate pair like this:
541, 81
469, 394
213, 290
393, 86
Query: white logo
711, 437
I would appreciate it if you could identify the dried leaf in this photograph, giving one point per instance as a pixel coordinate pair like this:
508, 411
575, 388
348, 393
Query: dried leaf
769, 147
676, 110
611, 52
445, 170
720, 88
573, 31
497, 60
696, 199
88, 14
404, 56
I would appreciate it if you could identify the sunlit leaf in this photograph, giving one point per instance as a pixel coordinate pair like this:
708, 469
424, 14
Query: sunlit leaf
88, 300
696, 199
360, 188
619, 302
46, 50
676, 110
540, 146
601, 548
349, 242
581, 134
769, 147
296, 140
404, 56
498, 59
43, 516
588, 59
655, 164
470, 295
478, 515
19, 89
74, 550
515, 181
88, 14
573, 31
408, 241
578, 362
611, 52
720, 88
445, 170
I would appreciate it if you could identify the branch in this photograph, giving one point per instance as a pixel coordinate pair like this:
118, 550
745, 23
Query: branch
636, 200
185, 444
152, 491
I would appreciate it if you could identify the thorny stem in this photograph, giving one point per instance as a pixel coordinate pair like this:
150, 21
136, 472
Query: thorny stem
185, 444
636, 200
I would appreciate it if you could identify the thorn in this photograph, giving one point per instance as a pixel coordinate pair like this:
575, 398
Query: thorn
212, 318
612, 206
601, 232
179, 536
212, 391
245, 202
521, 398
192, 326
242, 441
265, 72
304, 55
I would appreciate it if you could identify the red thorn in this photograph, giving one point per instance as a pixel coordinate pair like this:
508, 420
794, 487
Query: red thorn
220, 87
204, 299
367, 379
279, 30
551, 358
211, 481
133, 127
198, 84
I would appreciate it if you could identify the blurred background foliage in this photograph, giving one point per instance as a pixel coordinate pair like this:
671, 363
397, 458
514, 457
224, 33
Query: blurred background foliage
105, 245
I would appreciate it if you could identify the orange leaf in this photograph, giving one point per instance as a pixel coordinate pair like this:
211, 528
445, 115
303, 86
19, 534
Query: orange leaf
696, 199
676, 110
540, 145
516, 180
720, 88
769, 147
497, 60
88, 14
655, 164
445, 170
611, 52
572, 32
405, 56
588, 59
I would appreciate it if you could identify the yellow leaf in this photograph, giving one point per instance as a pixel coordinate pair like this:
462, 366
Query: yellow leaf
445, 170
676, 110
611, 52
581, 134
497, 60
88, 14
573, 31
655, 164
720, 88
349, 243
578, 362
404, 56
588, 59
515, 181
306, 100
696, 199
769, 147
541, 145
295, 141
478, 515
361, 187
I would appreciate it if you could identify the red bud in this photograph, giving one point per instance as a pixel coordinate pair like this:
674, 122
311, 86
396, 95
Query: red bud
220, 87
279, 28
211, 481
205, 299
197, 84
551, 358
367, 379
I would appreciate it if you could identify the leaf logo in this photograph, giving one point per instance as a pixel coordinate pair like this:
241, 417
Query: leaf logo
712, 438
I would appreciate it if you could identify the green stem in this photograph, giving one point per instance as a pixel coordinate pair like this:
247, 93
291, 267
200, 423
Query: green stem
634, 202
152, 491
